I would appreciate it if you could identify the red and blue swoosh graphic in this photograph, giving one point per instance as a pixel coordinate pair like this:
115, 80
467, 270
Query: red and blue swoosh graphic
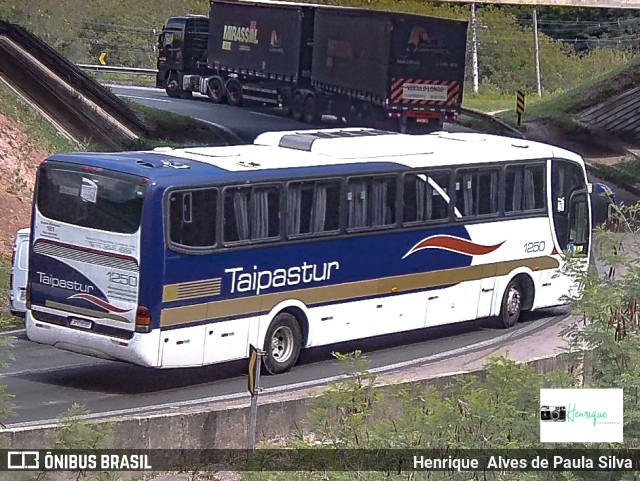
99, 302
453, 244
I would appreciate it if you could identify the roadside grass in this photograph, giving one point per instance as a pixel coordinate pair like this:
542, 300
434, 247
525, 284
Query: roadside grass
173, 130
492, 101
34, 125
123, 79
623, 173
558, 108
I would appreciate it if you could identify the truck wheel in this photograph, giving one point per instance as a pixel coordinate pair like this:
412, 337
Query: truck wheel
311, 114
282, 344
215, 90
511, 304
172, 87
297, 109
234, 92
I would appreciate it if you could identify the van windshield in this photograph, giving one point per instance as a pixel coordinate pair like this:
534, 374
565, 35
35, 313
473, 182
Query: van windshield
108, 200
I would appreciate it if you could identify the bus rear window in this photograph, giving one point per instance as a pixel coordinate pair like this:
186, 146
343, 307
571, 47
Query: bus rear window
96, 201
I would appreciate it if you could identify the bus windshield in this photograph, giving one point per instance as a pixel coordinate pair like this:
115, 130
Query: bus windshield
105, 201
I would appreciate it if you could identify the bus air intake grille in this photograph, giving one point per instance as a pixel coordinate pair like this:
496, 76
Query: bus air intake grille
191, 290
49, 249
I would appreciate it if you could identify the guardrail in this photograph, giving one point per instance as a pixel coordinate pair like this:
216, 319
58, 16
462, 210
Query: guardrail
111, 69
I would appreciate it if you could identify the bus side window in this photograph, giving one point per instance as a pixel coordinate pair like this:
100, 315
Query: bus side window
251, 213
423, 197
477, 192
525, 188
192, 218
371, 202
313, 207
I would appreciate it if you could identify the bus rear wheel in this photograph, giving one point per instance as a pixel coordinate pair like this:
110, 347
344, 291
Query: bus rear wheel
511, 306
282, 344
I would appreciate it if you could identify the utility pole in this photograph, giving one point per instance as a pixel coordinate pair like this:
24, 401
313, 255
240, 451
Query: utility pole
537, 49
474, 47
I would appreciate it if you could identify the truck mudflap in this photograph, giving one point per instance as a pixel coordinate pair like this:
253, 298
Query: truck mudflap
408, 93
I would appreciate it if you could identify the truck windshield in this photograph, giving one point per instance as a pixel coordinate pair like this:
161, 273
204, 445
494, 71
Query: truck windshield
104, 201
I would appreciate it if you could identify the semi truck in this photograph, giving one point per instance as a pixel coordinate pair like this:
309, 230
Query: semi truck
369, 68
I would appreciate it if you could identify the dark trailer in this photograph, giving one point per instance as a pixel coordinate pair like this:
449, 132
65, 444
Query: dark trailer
267, 40
403, 62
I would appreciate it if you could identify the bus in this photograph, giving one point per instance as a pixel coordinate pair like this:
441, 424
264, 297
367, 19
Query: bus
182, 257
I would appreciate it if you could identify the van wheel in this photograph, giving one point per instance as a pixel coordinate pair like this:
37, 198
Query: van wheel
511, 304
216, 92
282, 344
234, 92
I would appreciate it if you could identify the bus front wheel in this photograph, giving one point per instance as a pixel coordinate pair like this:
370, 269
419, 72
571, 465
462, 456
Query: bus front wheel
511, 304
282, 344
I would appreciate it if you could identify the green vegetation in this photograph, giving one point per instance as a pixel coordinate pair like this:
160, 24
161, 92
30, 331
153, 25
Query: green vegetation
123, 79
175, 130
500, 409
559, 107
37, 128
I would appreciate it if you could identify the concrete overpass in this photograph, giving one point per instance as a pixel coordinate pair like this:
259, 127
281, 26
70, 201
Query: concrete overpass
626, 4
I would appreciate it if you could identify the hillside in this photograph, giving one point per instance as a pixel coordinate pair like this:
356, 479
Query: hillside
19, 158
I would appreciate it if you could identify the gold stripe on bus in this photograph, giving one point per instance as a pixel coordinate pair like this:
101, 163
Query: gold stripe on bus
85, 312
350, 290
191, 290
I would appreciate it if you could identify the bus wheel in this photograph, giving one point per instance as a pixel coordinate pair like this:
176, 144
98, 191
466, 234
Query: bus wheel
234, 92
172, 87
511, 304
216, 92
282, 344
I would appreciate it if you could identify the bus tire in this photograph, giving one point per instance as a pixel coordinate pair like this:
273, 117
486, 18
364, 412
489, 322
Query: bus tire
282, 344
511, 305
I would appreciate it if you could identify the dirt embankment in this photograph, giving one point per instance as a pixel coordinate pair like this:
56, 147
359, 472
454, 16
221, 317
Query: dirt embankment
19, 159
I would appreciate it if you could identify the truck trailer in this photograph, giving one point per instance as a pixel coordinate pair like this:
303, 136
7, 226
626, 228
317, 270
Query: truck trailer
371, 68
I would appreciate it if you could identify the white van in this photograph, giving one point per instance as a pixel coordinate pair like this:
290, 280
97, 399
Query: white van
19, 272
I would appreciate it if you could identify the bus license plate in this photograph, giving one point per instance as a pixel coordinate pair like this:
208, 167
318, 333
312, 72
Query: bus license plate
81, 323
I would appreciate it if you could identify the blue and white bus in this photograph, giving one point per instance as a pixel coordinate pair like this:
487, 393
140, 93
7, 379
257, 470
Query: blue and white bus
183, 257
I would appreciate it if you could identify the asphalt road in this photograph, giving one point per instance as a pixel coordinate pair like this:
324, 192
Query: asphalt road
46, 381
246, 122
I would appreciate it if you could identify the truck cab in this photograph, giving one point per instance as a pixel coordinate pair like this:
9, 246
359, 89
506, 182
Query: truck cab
182, 49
